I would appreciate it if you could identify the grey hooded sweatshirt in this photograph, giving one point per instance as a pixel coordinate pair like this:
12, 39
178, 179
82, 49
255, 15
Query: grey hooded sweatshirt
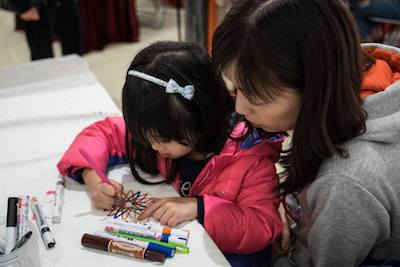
352, 210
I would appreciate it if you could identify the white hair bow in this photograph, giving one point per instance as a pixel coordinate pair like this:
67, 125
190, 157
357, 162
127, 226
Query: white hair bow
171, 87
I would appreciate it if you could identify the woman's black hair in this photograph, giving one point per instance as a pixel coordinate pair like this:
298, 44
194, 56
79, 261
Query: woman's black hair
312, 47
151, 114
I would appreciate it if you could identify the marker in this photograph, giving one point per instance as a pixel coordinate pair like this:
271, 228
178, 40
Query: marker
41, 223
94, 166
23, 210
146, 233
179, 248
173, 239
153, 227
106, 244
133, 231
59, 201
23, 240
11, 230
169, 252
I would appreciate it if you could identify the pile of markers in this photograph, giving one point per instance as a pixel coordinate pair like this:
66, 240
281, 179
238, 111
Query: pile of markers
17, 233
144, 241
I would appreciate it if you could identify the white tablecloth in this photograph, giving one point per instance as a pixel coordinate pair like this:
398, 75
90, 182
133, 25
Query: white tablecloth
43, 105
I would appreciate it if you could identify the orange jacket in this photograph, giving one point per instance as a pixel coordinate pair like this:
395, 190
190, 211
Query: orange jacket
383, 73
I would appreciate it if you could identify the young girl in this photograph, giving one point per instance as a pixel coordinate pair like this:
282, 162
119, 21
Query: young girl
298, 65
176, 123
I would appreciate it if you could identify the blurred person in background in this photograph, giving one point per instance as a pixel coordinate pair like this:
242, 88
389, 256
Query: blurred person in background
363, 10
45, 18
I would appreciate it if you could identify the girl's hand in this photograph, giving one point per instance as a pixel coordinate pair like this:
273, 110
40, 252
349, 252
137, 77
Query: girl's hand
171, 210
30, 15
283, 245
102, 195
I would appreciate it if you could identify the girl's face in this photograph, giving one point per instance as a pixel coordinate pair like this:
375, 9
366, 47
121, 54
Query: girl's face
277, 116
172, 150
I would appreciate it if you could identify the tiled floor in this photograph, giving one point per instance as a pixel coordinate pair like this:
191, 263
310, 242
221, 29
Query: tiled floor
109, 65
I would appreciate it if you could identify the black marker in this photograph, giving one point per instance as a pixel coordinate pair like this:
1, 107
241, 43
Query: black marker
11, 230
23, 240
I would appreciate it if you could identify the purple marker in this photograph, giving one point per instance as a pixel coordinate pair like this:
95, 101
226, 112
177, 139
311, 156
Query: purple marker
94, 167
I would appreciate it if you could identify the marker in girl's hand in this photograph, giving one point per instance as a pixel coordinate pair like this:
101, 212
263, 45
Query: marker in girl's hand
96, 169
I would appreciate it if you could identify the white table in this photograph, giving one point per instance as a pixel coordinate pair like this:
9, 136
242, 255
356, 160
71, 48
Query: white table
43, 105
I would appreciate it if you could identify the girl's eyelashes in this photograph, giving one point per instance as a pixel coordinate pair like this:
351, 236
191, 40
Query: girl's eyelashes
258, 102
183, 143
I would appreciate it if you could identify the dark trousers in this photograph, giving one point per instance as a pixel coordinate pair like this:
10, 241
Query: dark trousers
59, 18
262, 258
393, 261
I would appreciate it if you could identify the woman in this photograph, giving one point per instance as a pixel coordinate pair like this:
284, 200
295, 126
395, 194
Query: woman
298, 65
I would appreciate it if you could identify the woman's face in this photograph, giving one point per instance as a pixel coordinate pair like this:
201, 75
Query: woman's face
277, 116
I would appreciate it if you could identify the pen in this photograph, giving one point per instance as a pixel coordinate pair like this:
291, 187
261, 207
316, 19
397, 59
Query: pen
41, 222
23, 240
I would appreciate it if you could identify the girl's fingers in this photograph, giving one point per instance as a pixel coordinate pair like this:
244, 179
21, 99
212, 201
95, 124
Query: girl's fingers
167, 215
151, 209
159, 213
154, 199
108, 200
173, 221
285, 237
107, 189
119, 188
105, 205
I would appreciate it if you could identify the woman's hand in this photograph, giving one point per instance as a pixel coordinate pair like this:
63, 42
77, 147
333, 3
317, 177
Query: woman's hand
102, 194
283, 245
30, 15
171, 210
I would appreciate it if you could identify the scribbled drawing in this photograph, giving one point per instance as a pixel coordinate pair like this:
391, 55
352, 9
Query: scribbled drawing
130, 205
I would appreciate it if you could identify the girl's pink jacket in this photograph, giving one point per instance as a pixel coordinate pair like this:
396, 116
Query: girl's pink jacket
237, 185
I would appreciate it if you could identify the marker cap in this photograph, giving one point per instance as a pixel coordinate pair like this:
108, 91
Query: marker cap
12, 212
95, 242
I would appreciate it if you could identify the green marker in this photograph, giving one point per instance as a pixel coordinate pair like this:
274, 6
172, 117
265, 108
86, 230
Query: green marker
181, 248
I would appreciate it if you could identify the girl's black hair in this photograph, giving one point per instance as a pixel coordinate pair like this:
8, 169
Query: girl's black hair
152, 114
310, 46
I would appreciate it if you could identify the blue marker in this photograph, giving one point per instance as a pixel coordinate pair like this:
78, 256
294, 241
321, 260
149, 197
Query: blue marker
168, 238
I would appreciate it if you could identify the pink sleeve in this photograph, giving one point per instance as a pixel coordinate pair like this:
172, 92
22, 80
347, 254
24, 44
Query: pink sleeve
252, 221
104, 141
